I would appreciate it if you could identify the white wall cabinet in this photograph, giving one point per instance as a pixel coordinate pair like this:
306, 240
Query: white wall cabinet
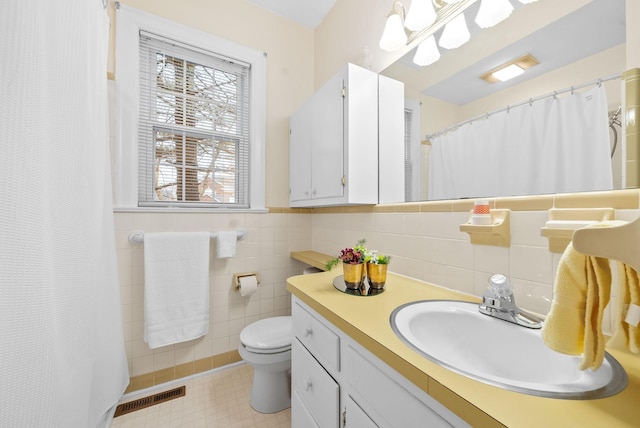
334, 141
336, 383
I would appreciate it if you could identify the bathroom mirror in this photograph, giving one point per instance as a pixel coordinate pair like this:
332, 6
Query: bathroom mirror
575, 42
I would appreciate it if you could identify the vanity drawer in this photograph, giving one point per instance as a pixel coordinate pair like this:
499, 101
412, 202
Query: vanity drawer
314, 388
323, 343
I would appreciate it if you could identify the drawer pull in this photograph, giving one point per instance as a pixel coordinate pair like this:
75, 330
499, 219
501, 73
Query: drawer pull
308, 386
308, 332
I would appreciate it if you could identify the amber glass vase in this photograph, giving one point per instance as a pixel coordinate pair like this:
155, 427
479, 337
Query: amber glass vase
377, 275
353, 274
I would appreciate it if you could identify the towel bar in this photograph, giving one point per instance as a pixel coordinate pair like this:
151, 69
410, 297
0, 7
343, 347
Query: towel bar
137, 236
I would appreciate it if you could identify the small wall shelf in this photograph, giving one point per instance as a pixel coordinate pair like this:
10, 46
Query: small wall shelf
498, 233
618, 242
563, 222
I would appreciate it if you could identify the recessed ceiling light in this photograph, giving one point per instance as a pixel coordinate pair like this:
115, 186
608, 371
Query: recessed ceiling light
510, 70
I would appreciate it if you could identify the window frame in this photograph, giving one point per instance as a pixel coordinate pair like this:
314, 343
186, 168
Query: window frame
413, 151
129, 23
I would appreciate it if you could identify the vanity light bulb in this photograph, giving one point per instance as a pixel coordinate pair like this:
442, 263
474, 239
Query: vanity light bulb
393, 37
421, 15
427, 52
455, 33
492, 12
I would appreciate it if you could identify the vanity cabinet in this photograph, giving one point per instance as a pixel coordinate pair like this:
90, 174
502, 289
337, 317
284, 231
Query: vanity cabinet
337, 383
334, 141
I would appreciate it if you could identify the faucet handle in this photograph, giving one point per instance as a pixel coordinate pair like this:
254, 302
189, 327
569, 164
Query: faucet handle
500, 286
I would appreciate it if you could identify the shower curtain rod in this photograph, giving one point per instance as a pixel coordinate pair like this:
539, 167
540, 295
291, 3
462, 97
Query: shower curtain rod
530, 101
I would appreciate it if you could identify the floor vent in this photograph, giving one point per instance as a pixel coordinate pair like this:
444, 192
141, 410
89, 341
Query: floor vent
149, 401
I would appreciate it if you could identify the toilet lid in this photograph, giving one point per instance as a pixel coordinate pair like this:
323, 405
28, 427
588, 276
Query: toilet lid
267, 336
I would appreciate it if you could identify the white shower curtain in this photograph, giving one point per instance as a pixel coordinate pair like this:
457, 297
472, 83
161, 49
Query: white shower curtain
62, 359
553, 145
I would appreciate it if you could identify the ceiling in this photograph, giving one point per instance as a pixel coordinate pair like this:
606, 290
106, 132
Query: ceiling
309, 13
597, 26
593, 28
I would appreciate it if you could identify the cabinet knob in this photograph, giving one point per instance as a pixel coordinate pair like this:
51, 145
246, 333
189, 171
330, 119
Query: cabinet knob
308, 332
308, 386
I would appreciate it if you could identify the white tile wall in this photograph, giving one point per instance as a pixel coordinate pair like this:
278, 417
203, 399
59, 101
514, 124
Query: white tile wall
429, 246
426, 246
266, 249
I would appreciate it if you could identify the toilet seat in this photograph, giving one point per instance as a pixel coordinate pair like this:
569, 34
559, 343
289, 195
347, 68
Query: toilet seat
267, 336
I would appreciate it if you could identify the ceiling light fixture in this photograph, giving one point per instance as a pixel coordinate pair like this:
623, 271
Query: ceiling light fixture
510, 70
426, 17
394, 37
508, 73
492, 12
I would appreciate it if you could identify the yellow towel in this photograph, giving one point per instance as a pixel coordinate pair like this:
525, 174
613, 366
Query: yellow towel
624, 334
580, 293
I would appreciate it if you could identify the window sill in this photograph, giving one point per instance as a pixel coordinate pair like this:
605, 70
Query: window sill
189, 210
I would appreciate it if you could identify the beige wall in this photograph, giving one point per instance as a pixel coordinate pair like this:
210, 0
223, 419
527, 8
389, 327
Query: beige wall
633, 34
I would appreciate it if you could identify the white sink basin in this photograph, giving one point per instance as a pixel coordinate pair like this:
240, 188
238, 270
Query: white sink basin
455, 335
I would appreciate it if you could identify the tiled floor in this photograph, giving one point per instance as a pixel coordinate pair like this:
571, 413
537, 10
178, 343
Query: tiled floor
219, 399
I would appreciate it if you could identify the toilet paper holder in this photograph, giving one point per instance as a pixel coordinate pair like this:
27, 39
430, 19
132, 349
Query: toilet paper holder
237, 276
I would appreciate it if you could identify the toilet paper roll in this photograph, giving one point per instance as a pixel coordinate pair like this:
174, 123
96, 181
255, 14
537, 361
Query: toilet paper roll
248, 285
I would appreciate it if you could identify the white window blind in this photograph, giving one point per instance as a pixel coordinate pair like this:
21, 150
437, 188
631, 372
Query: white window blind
193, 132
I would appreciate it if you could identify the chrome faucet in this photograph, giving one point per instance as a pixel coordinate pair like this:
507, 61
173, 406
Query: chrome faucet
498, 302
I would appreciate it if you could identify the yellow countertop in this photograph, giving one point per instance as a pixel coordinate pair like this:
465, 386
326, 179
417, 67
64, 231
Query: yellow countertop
366, 320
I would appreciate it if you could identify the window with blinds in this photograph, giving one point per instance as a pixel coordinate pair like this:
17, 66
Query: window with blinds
408, 159
193, 132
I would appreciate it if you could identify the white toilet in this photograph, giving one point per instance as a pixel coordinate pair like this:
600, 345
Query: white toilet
266, 346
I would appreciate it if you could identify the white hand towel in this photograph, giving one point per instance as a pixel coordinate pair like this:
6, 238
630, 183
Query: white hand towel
176, 287
226, 244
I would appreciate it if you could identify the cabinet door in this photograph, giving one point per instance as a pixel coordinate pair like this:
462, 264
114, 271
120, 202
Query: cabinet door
300, 132
356, 417
391, 147
327, 149
300, 416
397, 406
319, 393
